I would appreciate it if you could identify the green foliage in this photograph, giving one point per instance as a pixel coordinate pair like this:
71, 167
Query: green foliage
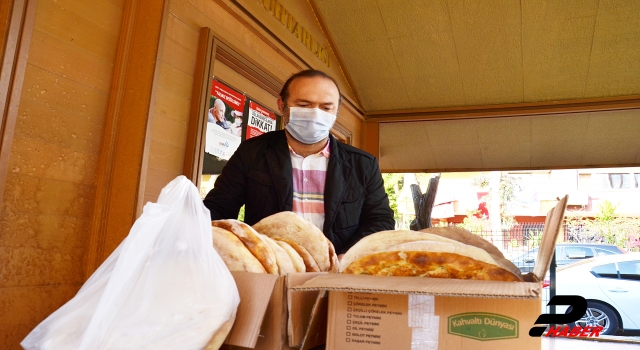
509, 189
241, 214
606, 212
606, 227
393, 183
534, 237
473, 223
481, 181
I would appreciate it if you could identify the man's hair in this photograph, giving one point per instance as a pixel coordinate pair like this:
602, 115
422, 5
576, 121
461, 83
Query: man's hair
308, 73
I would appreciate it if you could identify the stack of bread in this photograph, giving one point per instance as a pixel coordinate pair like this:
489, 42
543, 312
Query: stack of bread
440, 252
278, 244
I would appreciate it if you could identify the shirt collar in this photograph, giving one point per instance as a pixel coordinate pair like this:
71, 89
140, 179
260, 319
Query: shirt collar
325, 152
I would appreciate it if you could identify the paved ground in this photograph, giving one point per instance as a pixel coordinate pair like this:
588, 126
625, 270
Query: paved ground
604, 343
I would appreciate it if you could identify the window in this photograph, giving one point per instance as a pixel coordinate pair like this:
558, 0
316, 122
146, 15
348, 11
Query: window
606, 271
577, 253
620, 180
630, 270
584, 182
614, 181
600, 252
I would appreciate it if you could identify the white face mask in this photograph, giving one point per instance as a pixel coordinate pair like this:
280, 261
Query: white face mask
238, 122
309, 125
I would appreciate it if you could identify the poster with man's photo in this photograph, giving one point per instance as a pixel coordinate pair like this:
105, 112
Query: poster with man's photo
224, 126
260, 120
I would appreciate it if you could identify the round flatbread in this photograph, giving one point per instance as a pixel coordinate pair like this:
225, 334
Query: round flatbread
333, 258
296, 259
251, 239
310, 264
285, 265
234, 254
379, 241
288, 227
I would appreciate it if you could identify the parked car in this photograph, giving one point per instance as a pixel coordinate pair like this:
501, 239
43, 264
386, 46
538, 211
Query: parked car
611, 285
567, 253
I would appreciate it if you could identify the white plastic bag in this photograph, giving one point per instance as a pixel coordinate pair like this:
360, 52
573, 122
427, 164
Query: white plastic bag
164, 287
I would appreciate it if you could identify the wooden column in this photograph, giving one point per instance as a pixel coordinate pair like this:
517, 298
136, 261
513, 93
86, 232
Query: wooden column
125, 145
194, 152
16, 26
372, 138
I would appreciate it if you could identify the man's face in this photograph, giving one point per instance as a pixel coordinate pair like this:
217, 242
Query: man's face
311, 92
218, 111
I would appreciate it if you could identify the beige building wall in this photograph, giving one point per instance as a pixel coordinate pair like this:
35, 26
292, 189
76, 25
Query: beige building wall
51, 180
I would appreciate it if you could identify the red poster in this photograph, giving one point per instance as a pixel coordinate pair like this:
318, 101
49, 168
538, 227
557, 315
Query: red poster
260, 121
224, 123
231, 97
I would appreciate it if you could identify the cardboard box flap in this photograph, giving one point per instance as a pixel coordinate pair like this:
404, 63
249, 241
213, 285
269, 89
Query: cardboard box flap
300, 306
419, 285
316, 333
552, 225
255, 292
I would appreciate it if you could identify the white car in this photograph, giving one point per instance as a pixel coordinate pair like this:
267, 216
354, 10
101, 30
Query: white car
611, 285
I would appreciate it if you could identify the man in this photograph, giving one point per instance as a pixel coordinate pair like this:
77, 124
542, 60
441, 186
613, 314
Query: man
217, 114
304, 169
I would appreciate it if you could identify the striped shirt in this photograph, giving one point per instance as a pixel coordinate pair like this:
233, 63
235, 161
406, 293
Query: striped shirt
309, 175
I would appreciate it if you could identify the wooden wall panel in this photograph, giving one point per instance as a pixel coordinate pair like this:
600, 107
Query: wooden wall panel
77, 30
51, 182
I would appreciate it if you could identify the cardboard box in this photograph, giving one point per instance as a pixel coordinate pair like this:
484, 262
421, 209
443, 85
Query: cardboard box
269, 317
379, 312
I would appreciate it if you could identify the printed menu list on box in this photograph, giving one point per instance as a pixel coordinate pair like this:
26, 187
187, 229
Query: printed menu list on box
372, 320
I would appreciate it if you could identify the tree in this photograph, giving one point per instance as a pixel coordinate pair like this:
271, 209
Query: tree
393, 183
503, 186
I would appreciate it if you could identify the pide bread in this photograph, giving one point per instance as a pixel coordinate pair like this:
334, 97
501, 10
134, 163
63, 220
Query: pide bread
424, 254
296, 259
333, 258
251, 239
309, 262
289, 227
463, 236
380, 241
283, 260
279, 244
234, 254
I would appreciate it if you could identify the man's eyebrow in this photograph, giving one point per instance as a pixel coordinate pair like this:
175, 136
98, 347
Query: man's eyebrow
307, 101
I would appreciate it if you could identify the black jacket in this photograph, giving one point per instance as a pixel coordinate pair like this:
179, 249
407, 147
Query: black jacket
259, 175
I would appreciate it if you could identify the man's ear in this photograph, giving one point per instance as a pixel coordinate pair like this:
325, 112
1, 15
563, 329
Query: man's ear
280, 105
